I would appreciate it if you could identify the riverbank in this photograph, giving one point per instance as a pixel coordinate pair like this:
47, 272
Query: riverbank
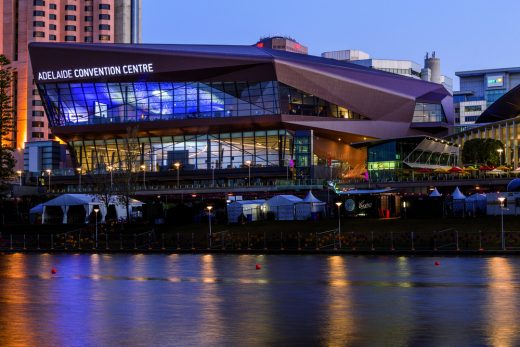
358, 236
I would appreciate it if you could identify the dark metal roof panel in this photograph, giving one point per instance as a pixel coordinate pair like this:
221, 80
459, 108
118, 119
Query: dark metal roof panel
506, 107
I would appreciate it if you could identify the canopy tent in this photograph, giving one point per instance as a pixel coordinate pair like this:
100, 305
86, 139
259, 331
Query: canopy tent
495, 172
250, 209
456, 169
89, 202
38, 209
476, 204
457, 194
309, 207
282, 206
34, 212
514, 185
435, 193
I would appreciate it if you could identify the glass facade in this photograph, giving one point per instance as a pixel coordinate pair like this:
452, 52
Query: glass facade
493, 95
101, 103
270, 148
386, 161
426, 113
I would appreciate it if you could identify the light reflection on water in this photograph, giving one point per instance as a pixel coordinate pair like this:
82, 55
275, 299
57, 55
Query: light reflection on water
221, 300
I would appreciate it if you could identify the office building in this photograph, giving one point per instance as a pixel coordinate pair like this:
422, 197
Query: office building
478, 90
282, 43
26, 21
500, 121
227, 113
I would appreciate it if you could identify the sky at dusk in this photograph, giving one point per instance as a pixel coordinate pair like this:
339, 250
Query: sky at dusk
466, 34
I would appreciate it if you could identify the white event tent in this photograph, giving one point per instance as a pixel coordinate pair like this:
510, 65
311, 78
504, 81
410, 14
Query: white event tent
89, 202
308, 206
283, 206
246, 207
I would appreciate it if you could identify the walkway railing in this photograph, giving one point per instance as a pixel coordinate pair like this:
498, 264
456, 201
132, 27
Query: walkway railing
227, 240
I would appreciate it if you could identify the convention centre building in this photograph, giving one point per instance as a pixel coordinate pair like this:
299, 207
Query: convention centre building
230, 112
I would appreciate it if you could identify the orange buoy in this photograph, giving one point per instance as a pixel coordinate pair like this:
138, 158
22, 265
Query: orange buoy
258, 266
53, 271
437, 263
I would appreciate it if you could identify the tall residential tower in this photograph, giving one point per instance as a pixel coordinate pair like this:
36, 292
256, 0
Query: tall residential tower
25, 21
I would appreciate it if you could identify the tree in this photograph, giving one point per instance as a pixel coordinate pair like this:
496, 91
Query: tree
482, 152
7, 161
129, 167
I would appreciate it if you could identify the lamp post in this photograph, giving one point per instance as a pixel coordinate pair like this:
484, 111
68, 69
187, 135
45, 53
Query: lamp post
19, 172
143, 167
177, 166
248, 163
500, 150
49, 171
96, 210
79, 171
501, 199
338, 203
209, 222
111, 168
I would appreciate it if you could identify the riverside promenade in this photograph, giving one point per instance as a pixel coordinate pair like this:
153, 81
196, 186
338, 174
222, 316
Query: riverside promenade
418, 236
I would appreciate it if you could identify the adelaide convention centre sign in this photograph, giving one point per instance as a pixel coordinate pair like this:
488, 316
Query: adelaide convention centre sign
115, 70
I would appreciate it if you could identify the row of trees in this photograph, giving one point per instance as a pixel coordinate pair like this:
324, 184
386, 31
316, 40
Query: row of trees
482, 152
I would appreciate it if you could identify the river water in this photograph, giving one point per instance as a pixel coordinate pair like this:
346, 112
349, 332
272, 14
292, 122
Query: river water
223, 300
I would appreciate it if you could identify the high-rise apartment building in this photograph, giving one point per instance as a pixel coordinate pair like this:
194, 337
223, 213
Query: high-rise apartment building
25, 21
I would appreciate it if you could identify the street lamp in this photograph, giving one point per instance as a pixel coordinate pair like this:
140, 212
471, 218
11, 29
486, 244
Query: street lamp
177, 166
80, 171
405, 205
500, 150
96, 210
49, 171
248, 163
143, 167
338, 203
209, 221
111, 169
19, 172
501, 199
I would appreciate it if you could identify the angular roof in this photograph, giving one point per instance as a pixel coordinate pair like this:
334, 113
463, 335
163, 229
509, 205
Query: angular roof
506, 107
382, 95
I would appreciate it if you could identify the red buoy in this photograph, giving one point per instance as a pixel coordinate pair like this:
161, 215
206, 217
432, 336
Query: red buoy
53, 271
437, 263
258, 266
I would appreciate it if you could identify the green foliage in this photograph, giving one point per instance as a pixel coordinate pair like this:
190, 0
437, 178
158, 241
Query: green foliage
7, 161
482, 152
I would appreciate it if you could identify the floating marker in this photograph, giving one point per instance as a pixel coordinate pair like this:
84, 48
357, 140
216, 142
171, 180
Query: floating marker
258, 266
53, 271
437, 263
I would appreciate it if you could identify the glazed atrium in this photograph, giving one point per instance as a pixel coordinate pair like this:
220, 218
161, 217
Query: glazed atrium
223, 110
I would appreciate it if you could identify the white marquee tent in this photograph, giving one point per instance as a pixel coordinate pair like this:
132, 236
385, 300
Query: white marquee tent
89, 202
283, 206
248, 208
308, 206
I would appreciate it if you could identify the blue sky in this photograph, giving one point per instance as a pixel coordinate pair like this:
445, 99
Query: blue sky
466, 34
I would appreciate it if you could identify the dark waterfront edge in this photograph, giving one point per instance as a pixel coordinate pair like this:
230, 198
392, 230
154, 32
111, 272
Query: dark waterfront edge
273, 252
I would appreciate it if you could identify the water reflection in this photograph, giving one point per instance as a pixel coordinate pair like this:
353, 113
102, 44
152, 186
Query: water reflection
340, 325
161, 300
501, 308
